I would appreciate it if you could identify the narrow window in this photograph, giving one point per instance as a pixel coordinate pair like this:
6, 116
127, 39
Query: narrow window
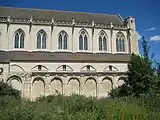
120, 43
102, 41
64, 67
88, 68
104, 44
19, 39
16, 44
83, 41
62, 40
41, 40
39, 67
110, 68
80, 42
65, 42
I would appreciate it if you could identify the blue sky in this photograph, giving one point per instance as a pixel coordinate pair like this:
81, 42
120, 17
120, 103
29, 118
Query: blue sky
146, 13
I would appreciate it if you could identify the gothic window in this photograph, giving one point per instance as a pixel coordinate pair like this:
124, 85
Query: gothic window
62, 40
120, 42
102, 41
19, 39
41, 39
83, 40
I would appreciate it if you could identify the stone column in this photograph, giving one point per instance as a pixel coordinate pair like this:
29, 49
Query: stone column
82, 82
98, 85
115, 85
65, 84
47, 86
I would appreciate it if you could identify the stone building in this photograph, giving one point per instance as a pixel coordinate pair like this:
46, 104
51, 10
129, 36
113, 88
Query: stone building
48, 52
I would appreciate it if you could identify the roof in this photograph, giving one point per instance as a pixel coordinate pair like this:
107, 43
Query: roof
41, 14
7, 56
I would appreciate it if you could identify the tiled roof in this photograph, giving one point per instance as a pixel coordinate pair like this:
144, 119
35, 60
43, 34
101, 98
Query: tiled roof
61, 56
60, 15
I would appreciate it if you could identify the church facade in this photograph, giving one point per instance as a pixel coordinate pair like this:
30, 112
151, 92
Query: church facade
47, 52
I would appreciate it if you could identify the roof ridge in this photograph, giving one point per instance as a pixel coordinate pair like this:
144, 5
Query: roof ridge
37, 9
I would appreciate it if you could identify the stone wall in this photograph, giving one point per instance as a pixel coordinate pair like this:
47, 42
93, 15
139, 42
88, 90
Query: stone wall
33, 86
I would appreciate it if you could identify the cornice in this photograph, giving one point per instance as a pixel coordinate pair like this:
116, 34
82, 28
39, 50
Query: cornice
51, 22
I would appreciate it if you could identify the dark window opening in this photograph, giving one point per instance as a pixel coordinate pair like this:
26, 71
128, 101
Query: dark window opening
110, 68
131, 21
64, 67
39, 67
88, 68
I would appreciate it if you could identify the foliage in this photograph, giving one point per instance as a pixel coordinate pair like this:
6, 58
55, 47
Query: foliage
71, 108
8, 90
141, 76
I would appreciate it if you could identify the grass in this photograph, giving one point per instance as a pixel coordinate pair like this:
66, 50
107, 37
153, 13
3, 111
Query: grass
80, 108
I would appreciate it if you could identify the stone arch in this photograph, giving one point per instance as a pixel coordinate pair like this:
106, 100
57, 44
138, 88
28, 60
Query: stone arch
67, 68
38, 87
56, 86
19, 39
121, 81
16, 82
88, 68
90, 87
120, 42
43, 68
16, 31
16, 68
41, 30
110, 68
83, 29
100, 33
105, 86
73, 86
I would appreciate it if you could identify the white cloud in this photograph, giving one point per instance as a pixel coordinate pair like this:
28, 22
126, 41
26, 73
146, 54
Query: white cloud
139, 36
155, 38
151, 29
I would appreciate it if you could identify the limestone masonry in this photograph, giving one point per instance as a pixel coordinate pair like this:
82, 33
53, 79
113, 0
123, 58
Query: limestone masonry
47, 52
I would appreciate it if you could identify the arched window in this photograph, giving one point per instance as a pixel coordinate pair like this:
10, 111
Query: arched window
19, 39
62, 40
102, 41
41, 39
120, 42
83, 40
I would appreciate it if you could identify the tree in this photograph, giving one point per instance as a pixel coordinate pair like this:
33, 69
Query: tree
140, 75
7, 90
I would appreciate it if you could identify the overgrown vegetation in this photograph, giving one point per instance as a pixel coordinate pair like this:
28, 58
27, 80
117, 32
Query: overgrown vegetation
143, 77
137, 99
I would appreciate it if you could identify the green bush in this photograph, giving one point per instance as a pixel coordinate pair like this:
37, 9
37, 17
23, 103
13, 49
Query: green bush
73, 107
8, 90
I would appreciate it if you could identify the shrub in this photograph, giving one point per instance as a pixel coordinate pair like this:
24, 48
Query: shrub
8, 90
71, 108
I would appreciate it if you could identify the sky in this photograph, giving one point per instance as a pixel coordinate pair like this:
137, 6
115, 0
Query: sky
146, 13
